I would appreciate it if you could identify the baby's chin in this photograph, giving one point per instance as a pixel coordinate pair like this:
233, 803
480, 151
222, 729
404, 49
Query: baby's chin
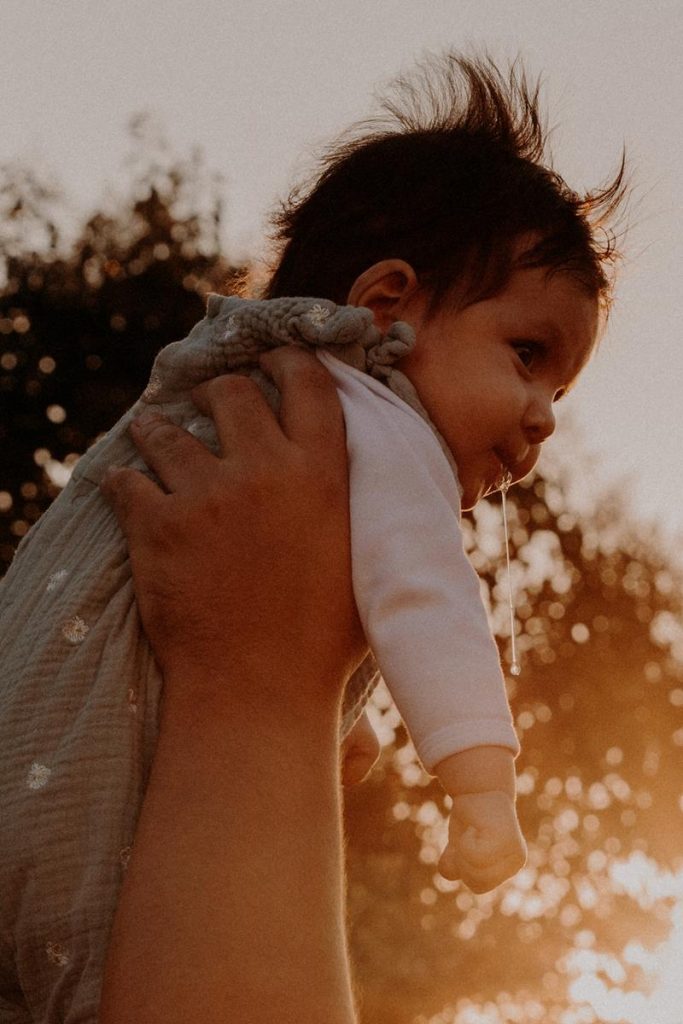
472, 495
474, 491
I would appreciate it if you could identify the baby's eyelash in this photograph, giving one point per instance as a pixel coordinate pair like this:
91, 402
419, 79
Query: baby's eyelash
534, 348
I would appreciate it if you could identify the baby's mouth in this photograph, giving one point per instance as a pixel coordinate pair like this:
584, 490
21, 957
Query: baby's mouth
504, 477
511, 466
505, 481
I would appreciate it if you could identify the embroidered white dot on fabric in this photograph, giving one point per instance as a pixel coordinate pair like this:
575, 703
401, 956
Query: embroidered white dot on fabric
38, 775
75, 630
57, 955
56, 580
317, 315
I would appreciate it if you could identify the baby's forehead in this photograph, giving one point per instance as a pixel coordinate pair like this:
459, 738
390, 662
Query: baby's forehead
557, 299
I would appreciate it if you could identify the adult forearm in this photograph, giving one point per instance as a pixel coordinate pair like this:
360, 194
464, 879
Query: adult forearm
237, 913
232, 909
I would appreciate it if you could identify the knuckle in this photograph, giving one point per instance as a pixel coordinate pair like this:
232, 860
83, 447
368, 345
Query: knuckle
163, 432
300, 367
230, 385
116, 483
259, 488
166, 440
215, 507
156, 431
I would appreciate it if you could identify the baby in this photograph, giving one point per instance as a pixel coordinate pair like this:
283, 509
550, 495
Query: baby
462, 286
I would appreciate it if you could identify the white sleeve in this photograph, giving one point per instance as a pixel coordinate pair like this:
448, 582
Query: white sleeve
417, 593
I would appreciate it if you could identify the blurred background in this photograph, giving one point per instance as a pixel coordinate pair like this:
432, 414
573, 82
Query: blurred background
141, 150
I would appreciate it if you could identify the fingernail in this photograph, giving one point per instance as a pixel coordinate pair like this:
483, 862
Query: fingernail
147, 418
109, 474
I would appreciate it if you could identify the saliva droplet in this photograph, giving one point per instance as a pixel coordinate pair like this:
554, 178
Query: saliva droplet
515, 668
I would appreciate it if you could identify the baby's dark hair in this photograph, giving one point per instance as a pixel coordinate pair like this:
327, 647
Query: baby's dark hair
451, 179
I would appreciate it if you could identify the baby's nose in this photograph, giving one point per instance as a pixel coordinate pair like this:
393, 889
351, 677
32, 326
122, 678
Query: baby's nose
539, 420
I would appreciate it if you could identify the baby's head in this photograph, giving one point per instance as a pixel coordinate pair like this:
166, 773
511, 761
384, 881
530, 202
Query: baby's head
444, 215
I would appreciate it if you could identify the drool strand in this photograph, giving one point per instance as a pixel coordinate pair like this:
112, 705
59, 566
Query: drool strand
504, 487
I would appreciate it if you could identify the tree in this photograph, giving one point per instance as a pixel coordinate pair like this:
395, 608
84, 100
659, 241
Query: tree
80, 326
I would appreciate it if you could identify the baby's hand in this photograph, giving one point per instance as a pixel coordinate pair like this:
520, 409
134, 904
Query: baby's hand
485, 844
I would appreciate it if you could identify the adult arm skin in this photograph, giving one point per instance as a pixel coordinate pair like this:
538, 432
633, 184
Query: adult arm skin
233, 908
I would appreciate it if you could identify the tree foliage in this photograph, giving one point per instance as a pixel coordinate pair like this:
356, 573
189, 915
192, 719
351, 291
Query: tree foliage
79, 328
598, 608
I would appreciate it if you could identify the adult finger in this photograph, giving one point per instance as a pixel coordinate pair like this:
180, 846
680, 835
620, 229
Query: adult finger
360, 752
180, 460
245, 423
133, 497
310, 412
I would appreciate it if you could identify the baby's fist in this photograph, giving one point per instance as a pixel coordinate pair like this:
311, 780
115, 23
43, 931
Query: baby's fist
485, 843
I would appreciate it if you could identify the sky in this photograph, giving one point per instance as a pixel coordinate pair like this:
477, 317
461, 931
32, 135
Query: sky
260, 87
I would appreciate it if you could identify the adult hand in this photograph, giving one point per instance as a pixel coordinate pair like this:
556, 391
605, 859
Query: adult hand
232, 906
273, 589
360, 751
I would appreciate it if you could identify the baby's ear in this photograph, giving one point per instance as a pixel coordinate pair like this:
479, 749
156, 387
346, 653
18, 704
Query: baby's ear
384, 288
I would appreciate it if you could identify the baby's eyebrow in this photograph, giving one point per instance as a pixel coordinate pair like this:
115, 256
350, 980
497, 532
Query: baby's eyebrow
564, 352
549, 330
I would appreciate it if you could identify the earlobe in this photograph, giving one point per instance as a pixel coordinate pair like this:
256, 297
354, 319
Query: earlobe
384, 288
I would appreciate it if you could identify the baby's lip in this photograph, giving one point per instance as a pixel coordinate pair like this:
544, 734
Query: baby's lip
511, 461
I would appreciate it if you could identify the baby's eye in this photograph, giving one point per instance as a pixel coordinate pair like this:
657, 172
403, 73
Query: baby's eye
527, 351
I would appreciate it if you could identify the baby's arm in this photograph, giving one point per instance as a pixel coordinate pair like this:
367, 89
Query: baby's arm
485, 843
419, 600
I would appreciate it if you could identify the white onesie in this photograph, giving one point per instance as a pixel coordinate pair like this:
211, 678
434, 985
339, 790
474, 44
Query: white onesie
417, 594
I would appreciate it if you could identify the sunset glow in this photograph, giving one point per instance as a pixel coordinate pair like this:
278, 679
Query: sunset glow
144, 147
637, 986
